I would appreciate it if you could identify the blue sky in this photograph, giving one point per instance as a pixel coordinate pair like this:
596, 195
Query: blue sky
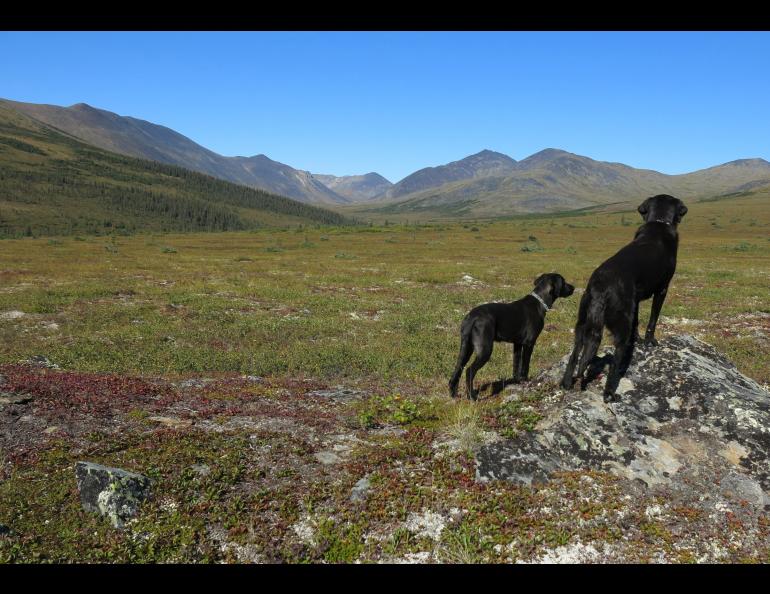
353, 102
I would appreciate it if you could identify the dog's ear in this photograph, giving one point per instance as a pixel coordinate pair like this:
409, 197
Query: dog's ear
540, 279
557, 285
644, 207
682, 210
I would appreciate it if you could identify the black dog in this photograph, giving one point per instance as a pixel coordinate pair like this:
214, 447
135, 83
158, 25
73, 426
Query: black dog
519, 322
640, 270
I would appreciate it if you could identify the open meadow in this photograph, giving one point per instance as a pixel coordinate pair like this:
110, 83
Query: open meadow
215, 364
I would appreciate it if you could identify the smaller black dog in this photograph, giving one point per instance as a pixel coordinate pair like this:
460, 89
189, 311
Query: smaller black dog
519, 322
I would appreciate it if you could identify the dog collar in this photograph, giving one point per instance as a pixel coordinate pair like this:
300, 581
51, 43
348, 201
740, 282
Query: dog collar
540, 299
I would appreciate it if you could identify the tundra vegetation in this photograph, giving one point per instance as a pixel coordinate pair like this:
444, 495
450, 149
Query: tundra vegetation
211, 362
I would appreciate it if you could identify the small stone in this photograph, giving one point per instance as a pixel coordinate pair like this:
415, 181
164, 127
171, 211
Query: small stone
111, 492
339, 393
173, 422
427, 524
253, 378
360, 490
50, 430
42, 361
193, 383
202, 470
8, 398
12, 315
327, 457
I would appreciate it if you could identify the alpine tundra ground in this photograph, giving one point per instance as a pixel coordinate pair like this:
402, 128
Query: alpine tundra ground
286, 391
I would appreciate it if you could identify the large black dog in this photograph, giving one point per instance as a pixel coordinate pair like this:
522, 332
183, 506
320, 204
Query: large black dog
640, 270
519, 322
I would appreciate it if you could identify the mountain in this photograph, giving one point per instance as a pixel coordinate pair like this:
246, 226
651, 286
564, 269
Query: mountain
52, 183
357, 188
554, 180
142, 139
483, 164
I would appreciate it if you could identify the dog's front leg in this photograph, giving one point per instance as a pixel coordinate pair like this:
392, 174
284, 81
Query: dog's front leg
517, 363
527, 354
657, 304
635, 336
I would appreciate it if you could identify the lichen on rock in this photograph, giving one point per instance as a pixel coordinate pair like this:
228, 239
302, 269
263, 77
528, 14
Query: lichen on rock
686, 419
111, 492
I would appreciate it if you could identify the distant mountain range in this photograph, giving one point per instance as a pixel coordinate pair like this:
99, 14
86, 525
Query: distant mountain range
553, 180
357, 188
485, 184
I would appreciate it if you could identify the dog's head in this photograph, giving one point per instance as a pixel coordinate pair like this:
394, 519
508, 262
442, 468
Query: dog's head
663, 209
554, 285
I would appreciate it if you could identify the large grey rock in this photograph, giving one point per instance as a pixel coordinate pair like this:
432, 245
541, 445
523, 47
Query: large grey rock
111, 492
686, 419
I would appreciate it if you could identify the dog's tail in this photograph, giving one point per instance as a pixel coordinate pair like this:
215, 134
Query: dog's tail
588, 333
466, 350
592, 307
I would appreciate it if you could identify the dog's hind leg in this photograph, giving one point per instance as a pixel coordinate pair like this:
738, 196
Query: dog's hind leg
483, 340
466, 350
623, 334
568, 379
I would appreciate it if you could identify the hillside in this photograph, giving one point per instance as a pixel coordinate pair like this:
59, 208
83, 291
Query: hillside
138, 138
52, 183
480, 165
556, 181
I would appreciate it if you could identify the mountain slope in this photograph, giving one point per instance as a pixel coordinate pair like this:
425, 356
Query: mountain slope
358, 188
52, 183
139, 138
554, 180
483, 164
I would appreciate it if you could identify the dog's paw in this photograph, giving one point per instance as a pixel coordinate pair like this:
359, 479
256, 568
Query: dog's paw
567, 383
650, 341
611, 397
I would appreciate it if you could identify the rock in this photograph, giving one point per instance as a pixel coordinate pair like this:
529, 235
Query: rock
9, 398
360, 490
339, 393
427, 524
12, 315
327, 457
42, 361
202, 470
567, 554
50, 430
193, 383
686, 419
253, 378
2, 379
111, 492
172, 422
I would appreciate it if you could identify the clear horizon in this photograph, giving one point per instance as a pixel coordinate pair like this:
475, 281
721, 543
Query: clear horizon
349, 103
